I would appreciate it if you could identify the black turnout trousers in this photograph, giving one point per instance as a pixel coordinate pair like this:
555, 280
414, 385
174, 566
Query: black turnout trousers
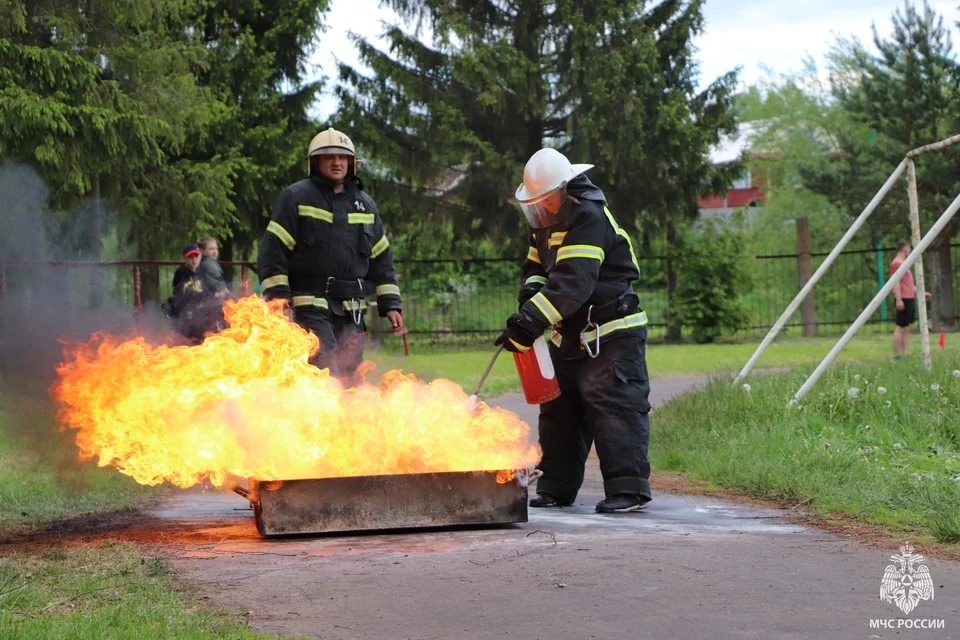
341, 340
603, 400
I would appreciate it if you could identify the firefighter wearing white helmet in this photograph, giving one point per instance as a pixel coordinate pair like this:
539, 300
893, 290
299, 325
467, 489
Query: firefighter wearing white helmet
577, 288
325, 252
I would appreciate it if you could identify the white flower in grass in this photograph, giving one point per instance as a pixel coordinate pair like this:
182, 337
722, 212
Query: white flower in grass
881, 390
746, 387
887, 404
935, 387
866, 427
956, 373
853, 392
897, 445
856, 377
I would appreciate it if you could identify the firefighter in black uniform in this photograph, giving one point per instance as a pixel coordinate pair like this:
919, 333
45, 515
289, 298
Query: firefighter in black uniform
325, 252
577, 284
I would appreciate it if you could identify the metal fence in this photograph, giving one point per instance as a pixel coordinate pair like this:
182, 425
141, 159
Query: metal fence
448, 299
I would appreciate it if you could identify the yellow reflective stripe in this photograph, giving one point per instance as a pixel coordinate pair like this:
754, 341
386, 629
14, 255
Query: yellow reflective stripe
314, 212
580, 251
353, 305
546, 308
629, 322
275, 281
310, 301
388, 290
622, 234
283, 234
380, 247
536, 280
533, 255
556, 239
554, 337
520, 347
359, 218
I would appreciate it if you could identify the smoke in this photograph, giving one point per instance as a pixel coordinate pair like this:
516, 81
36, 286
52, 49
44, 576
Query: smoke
42, 305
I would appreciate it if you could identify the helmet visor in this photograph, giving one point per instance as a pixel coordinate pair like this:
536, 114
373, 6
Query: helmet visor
333, 151
542, 211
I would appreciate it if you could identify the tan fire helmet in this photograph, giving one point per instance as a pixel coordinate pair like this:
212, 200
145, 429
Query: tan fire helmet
332, 141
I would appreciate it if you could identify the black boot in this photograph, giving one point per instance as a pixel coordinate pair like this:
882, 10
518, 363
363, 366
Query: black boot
546, 501
622, 503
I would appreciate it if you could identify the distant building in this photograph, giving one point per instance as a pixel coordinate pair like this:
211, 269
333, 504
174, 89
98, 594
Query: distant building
747, 191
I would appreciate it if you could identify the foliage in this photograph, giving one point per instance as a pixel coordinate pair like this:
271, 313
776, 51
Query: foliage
715, 272
879, 443
609, 83
189, 117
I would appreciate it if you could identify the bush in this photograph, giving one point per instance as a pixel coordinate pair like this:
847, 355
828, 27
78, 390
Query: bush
714, 272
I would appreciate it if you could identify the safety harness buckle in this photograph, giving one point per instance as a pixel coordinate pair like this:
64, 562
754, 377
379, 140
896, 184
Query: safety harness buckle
590, 326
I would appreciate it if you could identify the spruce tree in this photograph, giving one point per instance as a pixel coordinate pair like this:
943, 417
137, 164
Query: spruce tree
609, 83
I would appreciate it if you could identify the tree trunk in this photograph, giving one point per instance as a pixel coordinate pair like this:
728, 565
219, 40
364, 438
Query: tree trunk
226, 255
948, 313
674, 330
96, 246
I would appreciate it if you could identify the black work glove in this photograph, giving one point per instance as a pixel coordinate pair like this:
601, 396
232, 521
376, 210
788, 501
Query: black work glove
527, 292
520, 333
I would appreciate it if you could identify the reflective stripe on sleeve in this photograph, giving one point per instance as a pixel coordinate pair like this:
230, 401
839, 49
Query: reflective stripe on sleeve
623, 234
275, 281
546, 308
380, 247
388, 290
314, 212
285, 237
556, 239
580, 251
536, 280
533, 255
359, 218
310, 301
629, 322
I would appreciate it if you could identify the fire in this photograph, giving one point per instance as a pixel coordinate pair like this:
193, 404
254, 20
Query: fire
247, 404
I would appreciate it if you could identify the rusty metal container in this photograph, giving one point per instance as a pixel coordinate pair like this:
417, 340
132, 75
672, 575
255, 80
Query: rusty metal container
365, 503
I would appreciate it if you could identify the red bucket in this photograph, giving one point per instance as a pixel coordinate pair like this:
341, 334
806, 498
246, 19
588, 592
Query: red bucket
537, 376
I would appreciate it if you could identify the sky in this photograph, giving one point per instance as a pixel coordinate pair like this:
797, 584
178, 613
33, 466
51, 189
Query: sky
749, 34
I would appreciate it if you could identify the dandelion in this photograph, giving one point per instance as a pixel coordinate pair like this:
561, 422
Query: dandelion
866, 427
956, 373
881, 390
935, 386
887, 404
746, 387
856, 377
897, 445
853, 392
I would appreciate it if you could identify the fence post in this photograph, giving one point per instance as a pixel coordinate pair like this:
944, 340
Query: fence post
881, 278
137, 306
808, 312
918, 265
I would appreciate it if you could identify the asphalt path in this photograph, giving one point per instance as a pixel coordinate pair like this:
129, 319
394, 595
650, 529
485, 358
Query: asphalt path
687, 567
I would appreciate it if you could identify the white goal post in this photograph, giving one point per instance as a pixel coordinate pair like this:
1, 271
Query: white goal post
919, 245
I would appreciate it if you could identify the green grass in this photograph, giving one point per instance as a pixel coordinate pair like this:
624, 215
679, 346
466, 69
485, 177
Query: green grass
879, 442
664, 361
41, 478
112, 590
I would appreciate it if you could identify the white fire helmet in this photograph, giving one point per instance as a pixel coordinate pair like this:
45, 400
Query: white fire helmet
547, 172
333, 142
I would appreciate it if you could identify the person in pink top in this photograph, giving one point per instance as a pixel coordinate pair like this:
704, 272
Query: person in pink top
905, 294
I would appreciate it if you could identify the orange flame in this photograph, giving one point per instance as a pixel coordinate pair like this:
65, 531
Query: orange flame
246, 403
